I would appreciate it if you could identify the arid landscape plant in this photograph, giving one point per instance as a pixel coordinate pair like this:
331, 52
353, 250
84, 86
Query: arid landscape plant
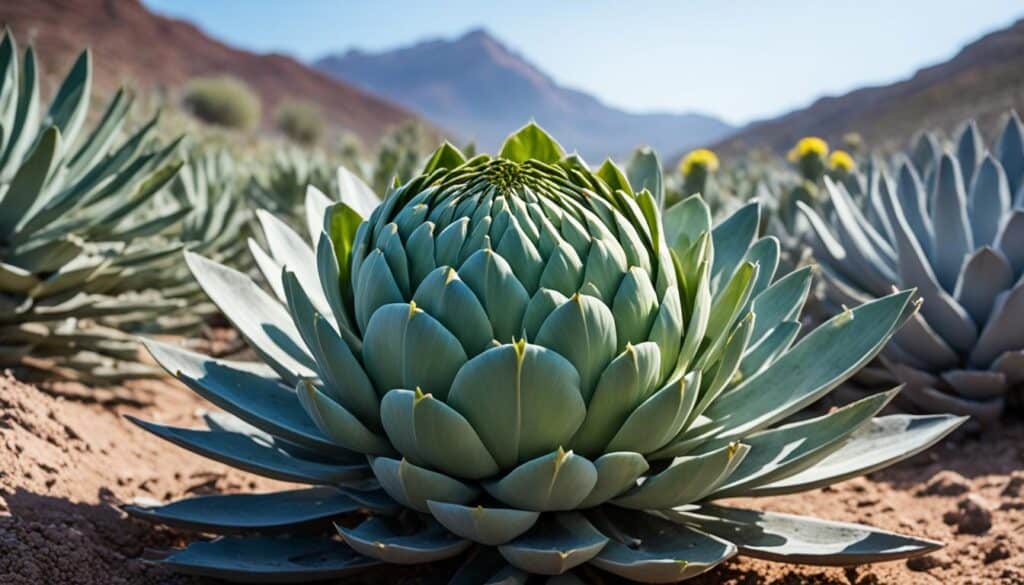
950, 225
71, 241
530, 364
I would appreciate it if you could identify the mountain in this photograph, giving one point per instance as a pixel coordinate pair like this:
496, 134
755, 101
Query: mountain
477, 88
983, 81
132, 44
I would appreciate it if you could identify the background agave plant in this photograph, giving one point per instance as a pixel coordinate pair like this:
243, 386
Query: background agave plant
69, 242
522, 357
951, 225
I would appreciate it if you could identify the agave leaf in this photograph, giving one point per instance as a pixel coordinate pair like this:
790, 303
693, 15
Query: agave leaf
248, 454
445, 157
14, 279
25, 116
413, 486
71, 103
765, 255
269, 268
685, 480
290, 251
731, 240
815, 365
555, 544
644, 172
246, 390
1010, 151
989, 201
445, 439
1002, 332
405, 347
274, 511
316, 208
265, 559
522, 399
444, 296
27, 190
376, 538
557, 481
659, 418
953, 239
930, 399
263, 322
880, 443
98, 143
787, 450
489, 526
685, 222
796, 539
650, 549
502, 295
356, 194
985, 274
338, 424
975, 384
616, 472
627, 381
868, 258
774, 344
1010, 240
487, 567
583, 331
531, 142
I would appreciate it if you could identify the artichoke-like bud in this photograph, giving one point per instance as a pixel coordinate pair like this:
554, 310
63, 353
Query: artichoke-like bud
520, 354
810, 155
954, 230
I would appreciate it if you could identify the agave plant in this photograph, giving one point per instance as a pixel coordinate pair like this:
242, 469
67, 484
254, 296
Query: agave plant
280, 186
67, 201
206, 213
953, 227
518, 356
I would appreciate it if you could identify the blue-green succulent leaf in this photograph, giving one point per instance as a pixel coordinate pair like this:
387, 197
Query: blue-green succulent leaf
796, 539
556, 544
485, 525
285, 510
266, 559
377, 538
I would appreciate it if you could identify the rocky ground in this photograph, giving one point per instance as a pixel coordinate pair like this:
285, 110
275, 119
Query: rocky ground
66, 465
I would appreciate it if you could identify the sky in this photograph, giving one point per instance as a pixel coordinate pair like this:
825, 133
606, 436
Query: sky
741, 60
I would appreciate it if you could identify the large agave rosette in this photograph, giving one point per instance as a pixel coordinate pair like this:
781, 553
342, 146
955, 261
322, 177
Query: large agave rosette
522, 357
952, 226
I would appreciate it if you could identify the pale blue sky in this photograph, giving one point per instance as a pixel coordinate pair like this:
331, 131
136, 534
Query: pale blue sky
739, 59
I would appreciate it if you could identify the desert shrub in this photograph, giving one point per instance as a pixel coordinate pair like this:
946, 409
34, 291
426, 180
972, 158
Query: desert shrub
223, 101
300, 121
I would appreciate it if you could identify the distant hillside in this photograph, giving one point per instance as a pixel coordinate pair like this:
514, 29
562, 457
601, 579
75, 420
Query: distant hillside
479, 89
132, 44
984, 80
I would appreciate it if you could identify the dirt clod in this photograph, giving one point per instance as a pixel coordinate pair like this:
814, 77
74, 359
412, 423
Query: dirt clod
929, 562
946, 483
972, 515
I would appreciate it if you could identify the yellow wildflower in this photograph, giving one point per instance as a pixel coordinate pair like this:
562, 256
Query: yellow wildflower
808, 145
701, 157
841, 160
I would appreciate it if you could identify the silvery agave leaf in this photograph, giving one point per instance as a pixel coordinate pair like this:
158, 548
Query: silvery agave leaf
954, 230
66, 194
524, 361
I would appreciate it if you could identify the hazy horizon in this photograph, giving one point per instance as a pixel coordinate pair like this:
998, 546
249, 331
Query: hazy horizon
731, 52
